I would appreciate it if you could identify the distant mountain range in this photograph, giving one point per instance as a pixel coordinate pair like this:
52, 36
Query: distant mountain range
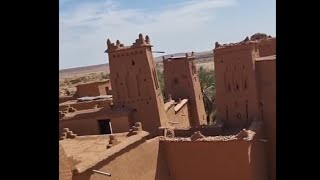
105, 67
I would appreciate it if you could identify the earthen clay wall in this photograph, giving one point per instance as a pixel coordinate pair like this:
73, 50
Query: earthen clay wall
90, 126
92, 89
87, 90
181, 81
266, 81
91, 104
87, 105
213, 160
66, 98
65, 168
206, 131
258, 160
103, 89
236, 94
140, 161
179, 118
182, 117
267, 47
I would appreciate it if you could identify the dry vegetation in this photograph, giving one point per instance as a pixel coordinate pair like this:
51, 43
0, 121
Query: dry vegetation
67, 84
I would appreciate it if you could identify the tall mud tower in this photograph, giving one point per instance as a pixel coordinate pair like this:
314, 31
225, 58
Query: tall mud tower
135, 84
181, 81
236, 91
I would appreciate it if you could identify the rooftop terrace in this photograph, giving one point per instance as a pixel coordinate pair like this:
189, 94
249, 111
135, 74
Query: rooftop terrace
90, 150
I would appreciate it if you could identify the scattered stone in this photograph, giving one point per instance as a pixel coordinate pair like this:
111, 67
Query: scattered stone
242, 134
169, 133
258, 36
197, 135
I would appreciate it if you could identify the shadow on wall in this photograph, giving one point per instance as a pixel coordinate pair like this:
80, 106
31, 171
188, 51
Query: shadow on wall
162, 170
205, 130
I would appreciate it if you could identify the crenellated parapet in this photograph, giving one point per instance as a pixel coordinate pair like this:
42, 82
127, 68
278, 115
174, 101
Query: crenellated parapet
141, 41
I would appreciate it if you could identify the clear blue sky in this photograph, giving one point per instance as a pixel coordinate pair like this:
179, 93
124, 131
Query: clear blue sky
173, 26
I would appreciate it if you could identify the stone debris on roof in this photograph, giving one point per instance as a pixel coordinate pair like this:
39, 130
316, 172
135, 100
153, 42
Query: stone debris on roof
253, 38
92, 98
94, 82
246, 135
259, 36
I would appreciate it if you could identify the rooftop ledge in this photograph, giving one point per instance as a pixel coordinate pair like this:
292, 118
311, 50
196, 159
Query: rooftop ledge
244, 135
101, 156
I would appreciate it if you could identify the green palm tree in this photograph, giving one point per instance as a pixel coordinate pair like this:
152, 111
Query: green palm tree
161, 82
207, 83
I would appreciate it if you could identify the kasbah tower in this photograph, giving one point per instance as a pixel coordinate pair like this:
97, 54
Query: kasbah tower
182, 82
236, 95
135, 84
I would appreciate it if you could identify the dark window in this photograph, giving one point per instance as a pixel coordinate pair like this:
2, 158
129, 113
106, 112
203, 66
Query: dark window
238, 115
132, 62
175, 80
105, 126
247, 113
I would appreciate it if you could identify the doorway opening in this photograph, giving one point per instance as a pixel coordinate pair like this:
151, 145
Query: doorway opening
105, 126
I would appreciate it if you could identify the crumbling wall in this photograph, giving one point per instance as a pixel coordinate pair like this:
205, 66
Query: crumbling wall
225, 160
142, 161
179, 118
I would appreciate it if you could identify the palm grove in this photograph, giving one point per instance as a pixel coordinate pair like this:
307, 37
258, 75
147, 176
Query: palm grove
207, 83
